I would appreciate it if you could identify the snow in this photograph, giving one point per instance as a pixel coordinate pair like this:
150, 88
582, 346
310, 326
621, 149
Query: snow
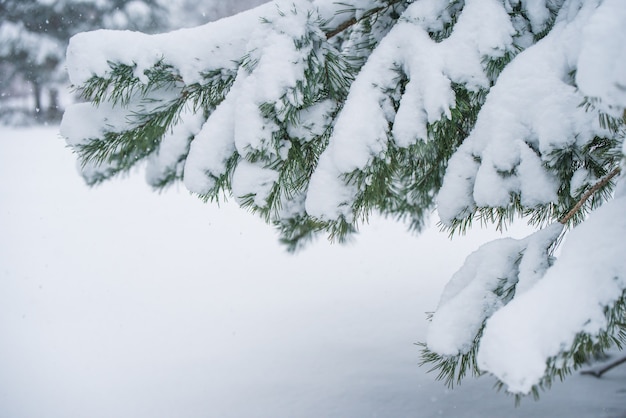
606, 81
222, 45
252, 179
82, 122
219, 44
538, 13
119, 302
484, 30
173, 149
210, 150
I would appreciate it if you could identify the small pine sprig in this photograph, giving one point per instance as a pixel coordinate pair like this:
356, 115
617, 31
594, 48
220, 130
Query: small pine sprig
451, 369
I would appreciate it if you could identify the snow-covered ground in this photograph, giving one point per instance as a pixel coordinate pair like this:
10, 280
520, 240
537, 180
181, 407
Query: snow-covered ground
120, 302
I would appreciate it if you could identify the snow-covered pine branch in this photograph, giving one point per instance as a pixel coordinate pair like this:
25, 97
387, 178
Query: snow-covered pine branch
316, 113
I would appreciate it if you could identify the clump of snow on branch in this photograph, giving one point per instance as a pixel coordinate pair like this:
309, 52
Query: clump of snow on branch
533, 110
210, 150
601, 70
488, 280
169, 159
269, 81
218, 45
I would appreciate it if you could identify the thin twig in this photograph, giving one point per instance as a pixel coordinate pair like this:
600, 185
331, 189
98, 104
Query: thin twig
603, 182
353, 21
343, 26
598, 373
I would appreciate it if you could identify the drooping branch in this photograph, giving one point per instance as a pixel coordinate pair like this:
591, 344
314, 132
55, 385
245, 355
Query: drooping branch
603, 182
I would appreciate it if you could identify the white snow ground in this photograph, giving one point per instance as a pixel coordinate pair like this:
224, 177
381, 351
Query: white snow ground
120, 302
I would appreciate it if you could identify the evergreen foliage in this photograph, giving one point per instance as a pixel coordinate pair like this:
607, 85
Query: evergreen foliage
316, 114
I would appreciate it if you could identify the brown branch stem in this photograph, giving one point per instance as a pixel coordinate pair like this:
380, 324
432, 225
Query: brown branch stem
353, 21
343, 26
603, 182
600, 372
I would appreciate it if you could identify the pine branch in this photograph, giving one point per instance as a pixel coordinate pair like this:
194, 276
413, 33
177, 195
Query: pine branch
603, 182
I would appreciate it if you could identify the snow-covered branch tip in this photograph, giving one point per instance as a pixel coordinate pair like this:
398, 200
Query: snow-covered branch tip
599, 185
